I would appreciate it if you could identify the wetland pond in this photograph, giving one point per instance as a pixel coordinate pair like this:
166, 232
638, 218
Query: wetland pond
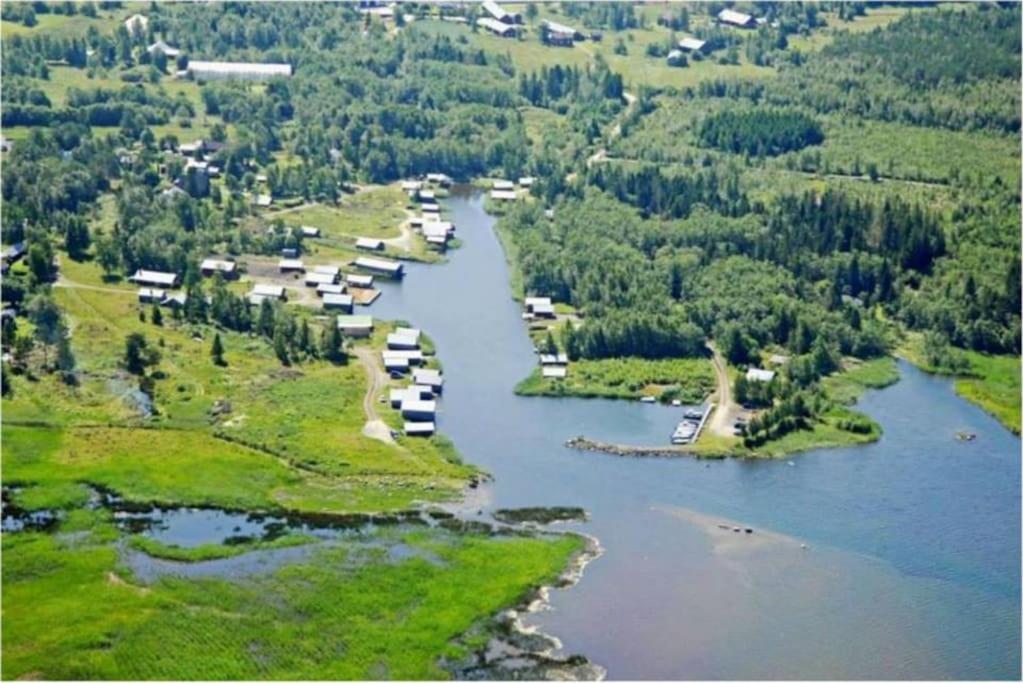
912, 561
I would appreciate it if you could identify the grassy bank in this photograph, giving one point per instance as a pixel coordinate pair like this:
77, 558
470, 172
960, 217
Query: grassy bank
72, 612
689, 380
992, 382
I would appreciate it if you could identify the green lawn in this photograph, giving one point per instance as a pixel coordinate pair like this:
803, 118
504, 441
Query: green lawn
375, 212
687, 379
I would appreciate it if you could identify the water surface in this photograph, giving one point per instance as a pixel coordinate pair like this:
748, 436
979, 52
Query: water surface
912, 565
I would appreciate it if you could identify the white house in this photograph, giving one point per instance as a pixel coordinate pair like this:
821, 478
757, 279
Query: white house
355, 325
759, 375
419, 428
429, 378
330, 288
418, 410
498, 28
503, 195
539, 307
361, 281
692, 45
167, 50
249, 71
315, 279
154, 278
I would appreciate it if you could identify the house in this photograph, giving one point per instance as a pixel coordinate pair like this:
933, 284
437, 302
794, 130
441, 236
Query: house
403, 340
759, 375
286, 252
325, 288
264, 201
429, 378
554, 33
167, 50
733, 18
261, 292
369, 244
290, 265
137, 24
498, 28
676, 58
391, 268
503, 185
151, 295
355, 325
177, 300
539, 307
526, 181
554, 371
553, 359
503, 195
442, 179
361, 281
418, 410
13, 254
154, 278
248, 71
396, 396
413, 356
315, 279
341, 301
692, 45
419, 428
778, 359
419, 391
437, 232
309, 231
328, 270
498, 13
227, 269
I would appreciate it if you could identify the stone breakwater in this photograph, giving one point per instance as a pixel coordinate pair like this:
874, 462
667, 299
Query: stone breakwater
583, 444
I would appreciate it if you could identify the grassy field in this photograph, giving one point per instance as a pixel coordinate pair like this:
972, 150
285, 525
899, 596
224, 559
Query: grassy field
374, 212
71, 611
687, 379
993, 382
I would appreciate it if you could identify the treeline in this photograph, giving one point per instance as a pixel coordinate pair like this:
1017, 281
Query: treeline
760, 132
675, 194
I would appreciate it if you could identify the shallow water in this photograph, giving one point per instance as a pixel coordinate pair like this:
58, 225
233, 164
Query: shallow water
913, 561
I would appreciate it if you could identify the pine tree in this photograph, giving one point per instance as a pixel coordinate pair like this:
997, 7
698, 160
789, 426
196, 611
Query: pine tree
157, 316
217, 351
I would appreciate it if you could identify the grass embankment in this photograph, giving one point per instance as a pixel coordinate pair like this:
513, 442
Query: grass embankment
261, 435
71, 612
992, 382
689, 380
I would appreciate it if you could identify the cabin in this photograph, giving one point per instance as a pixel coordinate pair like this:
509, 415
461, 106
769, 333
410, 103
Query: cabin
526, 181
315, 279
553, 359
264, 201
499, 14
396, 364
676, 58
333, 271
759, 375
778, 359
227, 269
245, 71
692, 45
151, 295
503, 195
343, 302
403, 339
498, 28
369, 244
290, 265
411, 186
431, 211
262, 291
554, 371
309, 231
13, 254
413, 356
503, 185
429, 378
437, 232
360, 281
390, 268
539, 307
427, 195
559, 34
739, 19
442, 179
355, 325
412, 409
167, 50
177, 300
419, 428
329, 289
154, 278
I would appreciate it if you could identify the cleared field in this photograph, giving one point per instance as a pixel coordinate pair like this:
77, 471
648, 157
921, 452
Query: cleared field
374, 212
687, 379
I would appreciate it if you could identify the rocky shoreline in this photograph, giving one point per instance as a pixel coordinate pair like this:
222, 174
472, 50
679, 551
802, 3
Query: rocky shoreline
584, 444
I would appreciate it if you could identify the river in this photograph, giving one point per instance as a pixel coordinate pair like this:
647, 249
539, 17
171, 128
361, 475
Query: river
912, 561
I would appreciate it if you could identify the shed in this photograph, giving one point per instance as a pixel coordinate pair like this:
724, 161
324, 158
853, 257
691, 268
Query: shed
733, 18
391, 268
430, 208
692, 45
413, 356
539, 307
330, 288
759, 375
503, 185
411, 186
553, 359
151, 295
361, 281
427, 195
209, 266
503, 195
355, 325
498, 28
315, 279
526, 181
264, 200
369, 244
418, 410
167, 50
419, 428
554, 371
154, 278
430, 378
286, 265
396, 364
398, 341
340, 301
268, 291
441, 179
309, 231
328, 270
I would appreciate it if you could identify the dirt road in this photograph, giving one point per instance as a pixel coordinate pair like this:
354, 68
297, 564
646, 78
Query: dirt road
723, 419
376, 384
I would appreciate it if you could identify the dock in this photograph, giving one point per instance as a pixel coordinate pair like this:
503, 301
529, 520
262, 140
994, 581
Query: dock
689, 429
